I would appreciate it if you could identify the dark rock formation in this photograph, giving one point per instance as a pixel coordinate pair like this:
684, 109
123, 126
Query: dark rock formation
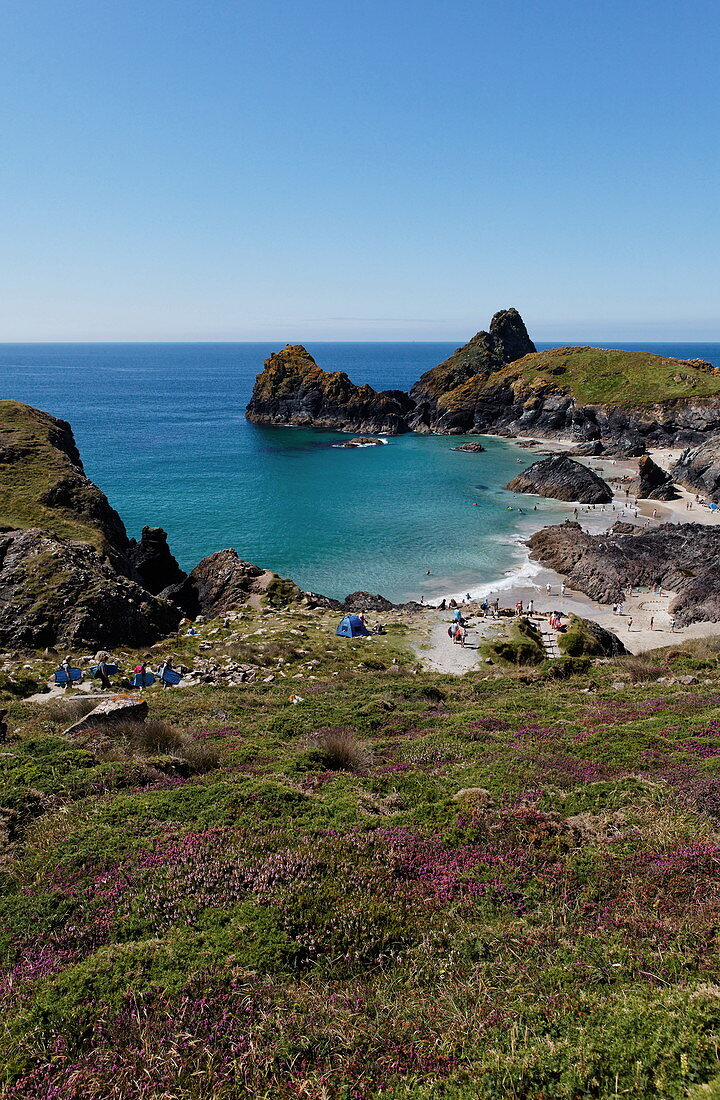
219, 583
292, 389
680, 557
652, 483
445, 396
561, 478
474, 448
364, 601
698, 468
590, 450
362, 441
499, 384
54, 591
153, 561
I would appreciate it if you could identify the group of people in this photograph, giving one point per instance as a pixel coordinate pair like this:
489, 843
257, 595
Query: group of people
103, 669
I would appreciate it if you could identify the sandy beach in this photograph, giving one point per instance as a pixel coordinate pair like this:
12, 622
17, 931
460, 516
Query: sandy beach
645, 623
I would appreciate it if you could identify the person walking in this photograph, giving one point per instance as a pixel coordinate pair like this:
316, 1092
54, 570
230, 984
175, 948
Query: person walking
629, 623
652, 622
102, 672
66, 666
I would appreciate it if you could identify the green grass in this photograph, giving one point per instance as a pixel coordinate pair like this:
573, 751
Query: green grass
598, 376
509, 891
27, 433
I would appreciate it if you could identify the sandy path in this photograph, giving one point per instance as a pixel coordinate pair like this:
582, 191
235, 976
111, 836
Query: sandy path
441, 654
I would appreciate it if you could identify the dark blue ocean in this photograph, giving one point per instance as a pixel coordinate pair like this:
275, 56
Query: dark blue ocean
161, 429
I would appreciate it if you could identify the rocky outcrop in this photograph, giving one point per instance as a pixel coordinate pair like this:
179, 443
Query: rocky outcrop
586, 638
54, 591
698, 468
293, 389
443, 396
561, 478
680, 557
362, 441
219, 583
153, 562
652, 483
499, 384
474, 448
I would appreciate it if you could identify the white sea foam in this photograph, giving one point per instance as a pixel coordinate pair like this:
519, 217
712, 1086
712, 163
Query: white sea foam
521, 576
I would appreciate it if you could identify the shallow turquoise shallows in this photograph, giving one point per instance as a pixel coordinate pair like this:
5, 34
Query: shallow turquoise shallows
161, 429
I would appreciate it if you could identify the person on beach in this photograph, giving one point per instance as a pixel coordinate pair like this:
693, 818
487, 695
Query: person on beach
672, 625
629, 623
531, 605
562, 589
652, 622
547, 588
460, 635
442, 605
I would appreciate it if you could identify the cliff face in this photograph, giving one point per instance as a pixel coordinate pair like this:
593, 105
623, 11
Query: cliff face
293, 389
698, 468
437, 392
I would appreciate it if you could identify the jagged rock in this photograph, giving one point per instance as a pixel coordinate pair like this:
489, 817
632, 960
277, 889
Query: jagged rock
499, 384
153, 560
219, 583
561, 478
698, 468
444, 396
681, 557
652, 483
584, 637
363, 441
109, 711
293, 389
474, 448
57, 592
364, 601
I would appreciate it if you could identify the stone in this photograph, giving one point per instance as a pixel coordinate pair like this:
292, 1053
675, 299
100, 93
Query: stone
652, 482
474, 448
219, 583
108, 711
561, 478
698, 468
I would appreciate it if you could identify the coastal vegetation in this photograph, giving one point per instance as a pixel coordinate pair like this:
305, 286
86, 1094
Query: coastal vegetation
405, 884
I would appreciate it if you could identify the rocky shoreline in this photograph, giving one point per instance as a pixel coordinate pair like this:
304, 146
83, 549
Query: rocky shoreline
612, 402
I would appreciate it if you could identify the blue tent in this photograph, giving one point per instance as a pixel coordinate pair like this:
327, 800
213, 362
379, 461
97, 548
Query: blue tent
352, 627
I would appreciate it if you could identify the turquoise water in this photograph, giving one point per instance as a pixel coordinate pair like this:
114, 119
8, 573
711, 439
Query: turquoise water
161, 429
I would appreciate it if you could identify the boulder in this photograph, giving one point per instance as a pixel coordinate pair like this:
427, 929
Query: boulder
590, 450
652, 482
561, 478
363, 441
698, 468
474, 448
126, 709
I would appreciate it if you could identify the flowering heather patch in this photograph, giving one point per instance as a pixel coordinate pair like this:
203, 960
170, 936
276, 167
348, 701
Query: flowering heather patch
516, 896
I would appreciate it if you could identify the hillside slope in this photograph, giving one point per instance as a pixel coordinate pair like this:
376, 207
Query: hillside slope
404, 885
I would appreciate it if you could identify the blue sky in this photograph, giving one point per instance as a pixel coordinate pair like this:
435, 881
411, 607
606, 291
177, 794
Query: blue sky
367, 170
